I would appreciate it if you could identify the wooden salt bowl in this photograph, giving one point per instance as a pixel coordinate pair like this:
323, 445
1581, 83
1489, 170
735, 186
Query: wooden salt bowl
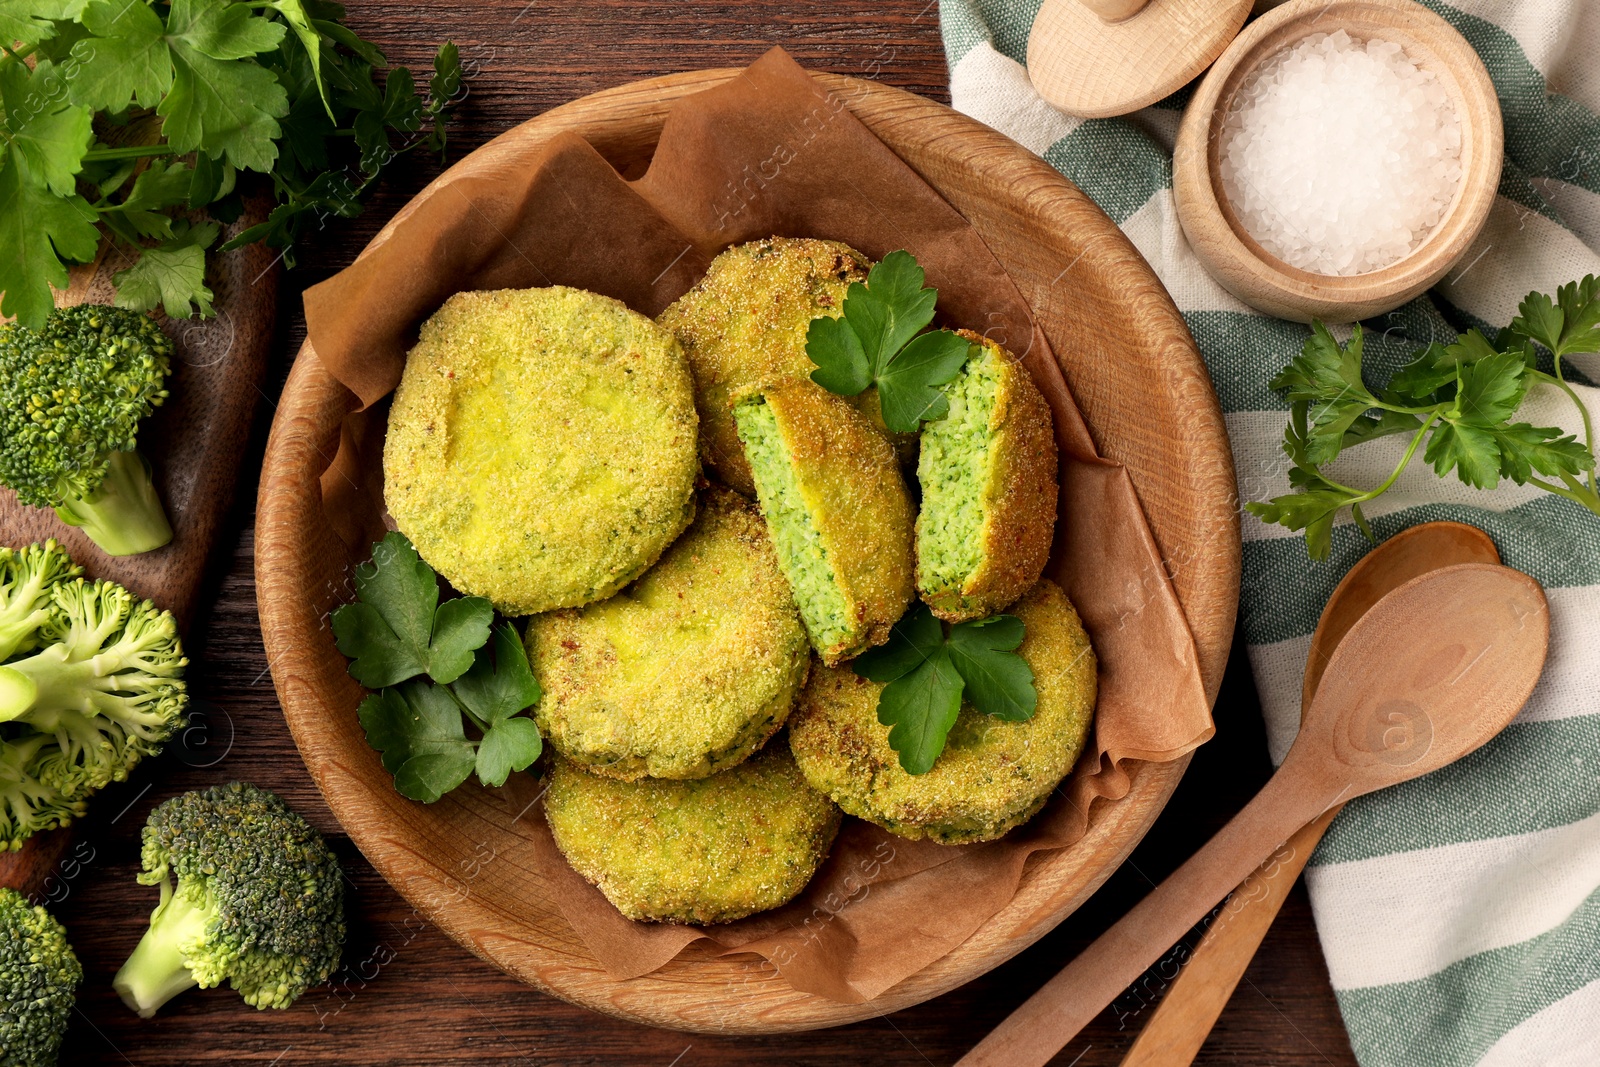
1266, 282
1144, 391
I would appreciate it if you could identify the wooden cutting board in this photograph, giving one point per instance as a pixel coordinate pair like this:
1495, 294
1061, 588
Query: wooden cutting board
195, 442
196, 439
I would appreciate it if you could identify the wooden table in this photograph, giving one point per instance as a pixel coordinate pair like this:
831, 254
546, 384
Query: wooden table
409, 995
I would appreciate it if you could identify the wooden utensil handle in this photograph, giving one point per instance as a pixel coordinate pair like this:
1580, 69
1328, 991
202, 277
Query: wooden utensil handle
1194, 1000
1070, 1001
1115, 10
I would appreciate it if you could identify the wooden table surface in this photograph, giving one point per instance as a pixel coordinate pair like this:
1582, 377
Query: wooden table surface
408, 994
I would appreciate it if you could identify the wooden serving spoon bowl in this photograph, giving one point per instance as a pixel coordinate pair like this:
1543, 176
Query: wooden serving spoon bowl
1429, 674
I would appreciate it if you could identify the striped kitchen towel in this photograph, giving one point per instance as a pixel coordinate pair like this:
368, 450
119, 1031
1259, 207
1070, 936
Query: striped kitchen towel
1460, 914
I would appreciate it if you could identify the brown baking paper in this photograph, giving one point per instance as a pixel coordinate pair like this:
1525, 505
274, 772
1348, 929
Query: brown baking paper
771, 152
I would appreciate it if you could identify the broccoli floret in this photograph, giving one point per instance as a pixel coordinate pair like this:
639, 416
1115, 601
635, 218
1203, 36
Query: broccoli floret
106, 683
259, 901
27, 805
26, 577
72, 397
39, 975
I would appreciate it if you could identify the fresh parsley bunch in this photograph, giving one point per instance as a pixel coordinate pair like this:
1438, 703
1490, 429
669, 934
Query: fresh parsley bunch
1459, 399
930, 667
878, 340
399, 637
129, 118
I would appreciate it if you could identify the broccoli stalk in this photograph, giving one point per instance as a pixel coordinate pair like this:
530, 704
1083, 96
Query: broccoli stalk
72, 397
258, 901
123, 514
39, 975
159, 970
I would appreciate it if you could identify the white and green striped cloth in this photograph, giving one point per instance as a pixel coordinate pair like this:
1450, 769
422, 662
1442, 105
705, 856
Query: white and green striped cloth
1460, 914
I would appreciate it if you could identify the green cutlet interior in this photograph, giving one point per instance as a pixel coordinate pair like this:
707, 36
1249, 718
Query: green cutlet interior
953, 469
802, 557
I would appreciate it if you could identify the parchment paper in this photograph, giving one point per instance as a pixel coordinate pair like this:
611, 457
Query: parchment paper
768, 153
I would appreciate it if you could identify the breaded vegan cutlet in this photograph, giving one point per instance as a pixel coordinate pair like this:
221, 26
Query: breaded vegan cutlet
837, 510
993, 774
743, 326
686, 671
707, 850
541, 448
988, 477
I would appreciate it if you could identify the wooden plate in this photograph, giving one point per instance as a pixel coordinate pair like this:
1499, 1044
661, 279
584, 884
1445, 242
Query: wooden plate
1143, 389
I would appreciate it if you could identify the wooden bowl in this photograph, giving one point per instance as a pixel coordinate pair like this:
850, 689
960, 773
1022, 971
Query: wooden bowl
1255, 275
1144, 391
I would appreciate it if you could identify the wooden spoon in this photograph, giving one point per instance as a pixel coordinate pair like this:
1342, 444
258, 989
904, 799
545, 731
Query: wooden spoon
1194, 1000
1432, 672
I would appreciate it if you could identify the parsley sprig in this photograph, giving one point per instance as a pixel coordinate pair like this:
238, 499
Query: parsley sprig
878, 340
129, 118
930, 667
436, 671
1459, 400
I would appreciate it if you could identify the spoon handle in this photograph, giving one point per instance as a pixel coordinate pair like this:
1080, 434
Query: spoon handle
1194, 1000
1068, 1002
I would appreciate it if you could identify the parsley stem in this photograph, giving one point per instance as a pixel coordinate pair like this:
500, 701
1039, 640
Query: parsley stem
1588, 426
130, 151
1405, 461
1559, 380
1575, 491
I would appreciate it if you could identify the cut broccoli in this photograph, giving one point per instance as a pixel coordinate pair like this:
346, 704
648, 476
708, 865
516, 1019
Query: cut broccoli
106, 683
259, 901
27, 805
26, 576
72, 397
95, 686
39, 975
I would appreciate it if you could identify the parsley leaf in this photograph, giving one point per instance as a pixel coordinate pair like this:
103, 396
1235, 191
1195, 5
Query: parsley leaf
920, 708
842, 365
173, 274
998, 683
890, 308
420, 727
160, 187
928, 670
275, 86
28, 22
1568, 324
493, 691
125, 61
397, 628
878, 340
1459, 398
908, 388
37, 231
227, 110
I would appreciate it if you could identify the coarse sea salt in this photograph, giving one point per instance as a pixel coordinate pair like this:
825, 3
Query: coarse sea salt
1340, 156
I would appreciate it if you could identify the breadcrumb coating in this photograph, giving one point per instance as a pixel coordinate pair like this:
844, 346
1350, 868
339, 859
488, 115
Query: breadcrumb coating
706, 850
688, 670
542, 447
